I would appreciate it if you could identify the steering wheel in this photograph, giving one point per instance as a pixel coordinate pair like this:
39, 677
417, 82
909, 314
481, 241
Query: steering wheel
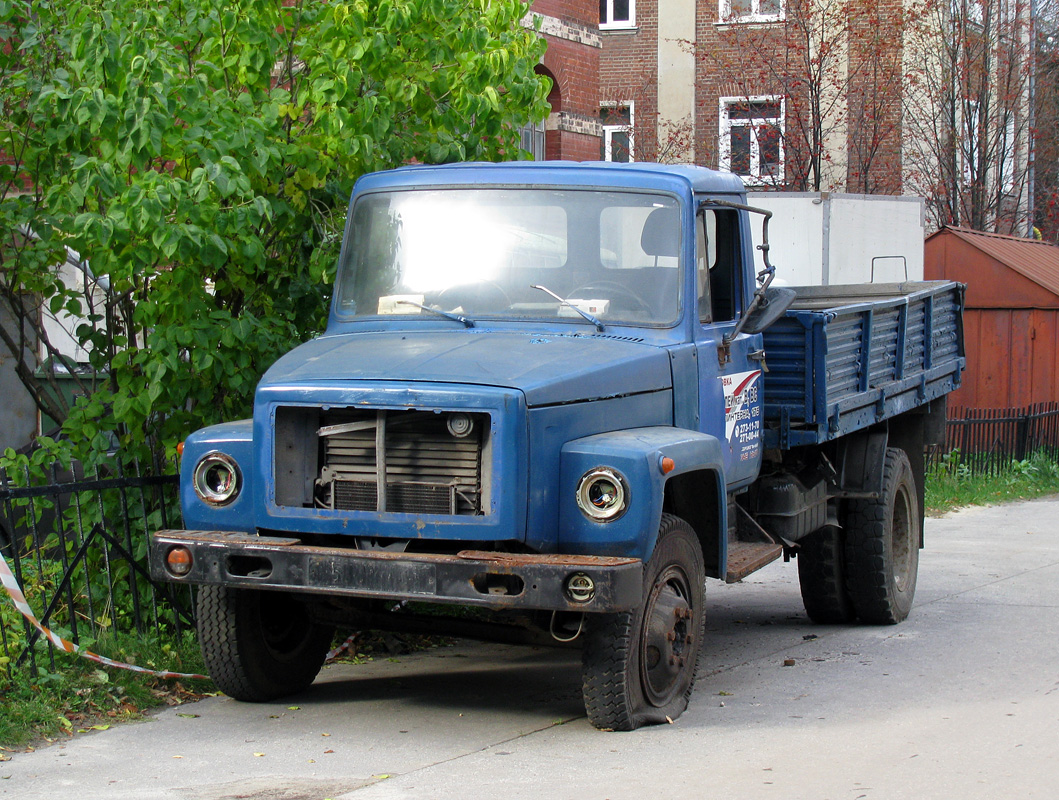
614, 292
474, 298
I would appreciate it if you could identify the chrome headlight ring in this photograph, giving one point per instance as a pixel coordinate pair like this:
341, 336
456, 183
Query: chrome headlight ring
602, 494
217, 479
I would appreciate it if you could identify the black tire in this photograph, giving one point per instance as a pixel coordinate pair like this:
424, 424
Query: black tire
638, 667
259, 645
882, 546
822, 577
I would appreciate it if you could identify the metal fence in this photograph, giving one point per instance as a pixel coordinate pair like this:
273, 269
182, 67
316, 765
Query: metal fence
990, 440
77, 545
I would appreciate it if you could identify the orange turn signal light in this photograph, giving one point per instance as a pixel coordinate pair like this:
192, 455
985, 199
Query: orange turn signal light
178, 560
667, 465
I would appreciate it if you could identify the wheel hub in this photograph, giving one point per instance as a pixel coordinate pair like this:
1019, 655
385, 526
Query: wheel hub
667, 643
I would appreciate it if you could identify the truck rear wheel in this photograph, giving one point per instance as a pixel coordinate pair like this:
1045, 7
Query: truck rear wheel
882, 546
259, 645
638, 667
822, 577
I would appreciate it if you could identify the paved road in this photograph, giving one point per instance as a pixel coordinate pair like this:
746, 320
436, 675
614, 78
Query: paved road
960, 701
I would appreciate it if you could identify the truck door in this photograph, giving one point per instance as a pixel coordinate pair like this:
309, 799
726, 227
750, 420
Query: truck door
730, 392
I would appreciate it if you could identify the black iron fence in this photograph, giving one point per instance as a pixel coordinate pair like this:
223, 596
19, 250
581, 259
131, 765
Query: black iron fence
77, 546
991, 440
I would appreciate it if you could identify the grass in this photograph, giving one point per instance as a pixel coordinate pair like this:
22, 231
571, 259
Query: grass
952, 484
80, 695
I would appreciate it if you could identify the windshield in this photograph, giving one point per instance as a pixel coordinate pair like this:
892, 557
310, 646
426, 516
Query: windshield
509, 253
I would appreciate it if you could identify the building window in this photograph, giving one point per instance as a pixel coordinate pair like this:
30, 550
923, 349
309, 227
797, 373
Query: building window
617, 144
751, 10
531, 139
751, 139
617, 14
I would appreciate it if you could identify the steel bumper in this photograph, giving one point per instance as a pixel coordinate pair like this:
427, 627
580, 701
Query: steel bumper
471, 577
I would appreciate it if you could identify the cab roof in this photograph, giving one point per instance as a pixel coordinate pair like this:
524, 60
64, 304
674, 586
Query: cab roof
676, 178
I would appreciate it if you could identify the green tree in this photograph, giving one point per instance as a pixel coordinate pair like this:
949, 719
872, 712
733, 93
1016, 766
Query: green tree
193, 160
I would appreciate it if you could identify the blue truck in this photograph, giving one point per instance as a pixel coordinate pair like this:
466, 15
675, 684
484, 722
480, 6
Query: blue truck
563, 396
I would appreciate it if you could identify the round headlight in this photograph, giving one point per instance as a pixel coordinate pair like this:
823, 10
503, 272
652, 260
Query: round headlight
217, 479
601, 494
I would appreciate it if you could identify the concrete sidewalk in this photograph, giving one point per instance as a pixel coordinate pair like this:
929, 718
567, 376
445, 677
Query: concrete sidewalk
961, 700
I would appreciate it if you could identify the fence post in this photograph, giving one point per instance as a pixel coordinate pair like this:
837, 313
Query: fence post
1022, 429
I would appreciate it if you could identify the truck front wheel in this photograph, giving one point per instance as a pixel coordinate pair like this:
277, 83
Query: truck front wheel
882, 546
259, 645
638, 667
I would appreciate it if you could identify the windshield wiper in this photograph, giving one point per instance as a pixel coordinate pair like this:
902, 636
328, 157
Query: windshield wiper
447, 314
594, 320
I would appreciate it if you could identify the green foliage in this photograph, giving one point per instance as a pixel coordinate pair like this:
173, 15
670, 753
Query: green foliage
954, 483
81, 695
199, 157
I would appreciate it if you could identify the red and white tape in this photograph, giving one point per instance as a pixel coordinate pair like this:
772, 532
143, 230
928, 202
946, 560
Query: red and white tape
14, 591
341, 648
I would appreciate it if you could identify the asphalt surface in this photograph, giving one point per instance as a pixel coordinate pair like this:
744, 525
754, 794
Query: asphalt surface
959, 701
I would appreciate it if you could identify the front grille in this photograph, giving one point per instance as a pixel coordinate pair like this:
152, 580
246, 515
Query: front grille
396, 461
411, 498
355, 495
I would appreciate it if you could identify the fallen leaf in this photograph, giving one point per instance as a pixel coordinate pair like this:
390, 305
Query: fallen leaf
294, 708
258, 755
329, 751
178, 756
669, 719
381, 777
325, 734
188, 716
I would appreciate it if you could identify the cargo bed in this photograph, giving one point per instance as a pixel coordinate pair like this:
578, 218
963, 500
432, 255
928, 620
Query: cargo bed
846, 357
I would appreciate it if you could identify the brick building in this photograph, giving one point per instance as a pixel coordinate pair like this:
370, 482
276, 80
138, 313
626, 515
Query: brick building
728, 84
797, 94
572, 130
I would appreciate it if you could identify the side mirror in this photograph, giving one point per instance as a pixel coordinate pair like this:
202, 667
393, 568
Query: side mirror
774, 304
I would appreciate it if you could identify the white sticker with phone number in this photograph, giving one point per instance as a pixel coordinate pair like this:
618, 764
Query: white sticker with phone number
742, 411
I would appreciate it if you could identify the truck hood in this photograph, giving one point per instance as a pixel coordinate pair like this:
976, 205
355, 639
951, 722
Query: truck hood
548, 368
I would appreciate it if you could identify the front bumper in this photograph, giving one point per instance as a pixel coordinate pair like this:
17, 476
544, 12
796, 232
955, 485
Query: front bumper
471, 577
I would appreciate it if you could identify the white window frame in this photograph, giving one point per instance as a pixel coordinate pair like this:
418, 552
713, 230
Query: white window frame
724, 141
621, 24
610, 130
727, 15
533, 134
967, 139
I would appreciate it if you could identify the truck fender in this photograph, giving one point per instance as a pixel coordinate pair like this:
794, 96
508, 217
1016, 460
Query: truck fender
640, 458
236, 441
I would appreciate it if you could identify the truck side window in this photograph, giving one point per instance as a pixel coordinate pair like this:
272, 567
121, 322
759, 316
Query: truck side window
724, 270
705, 258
